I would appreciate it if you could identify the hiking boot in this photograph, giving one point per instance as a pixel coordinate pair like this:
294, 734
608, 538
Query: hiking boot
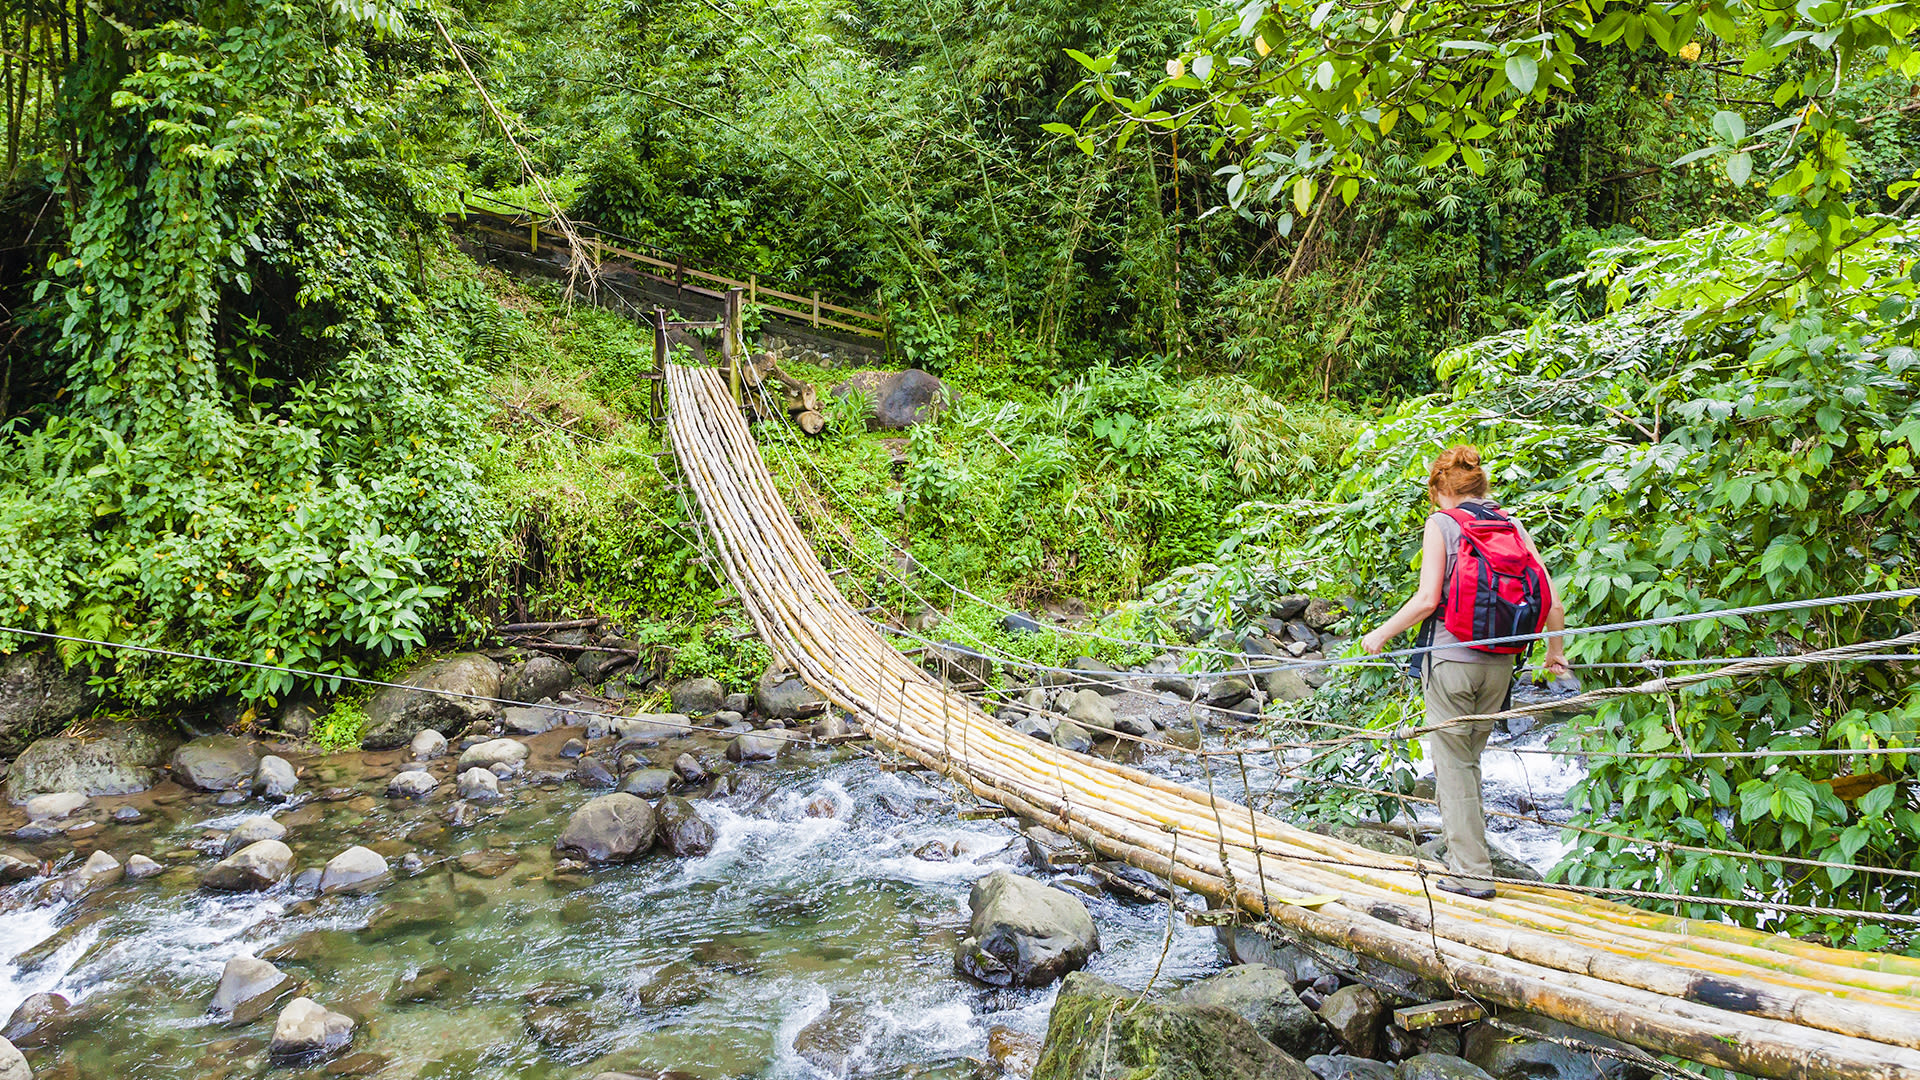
1478, 892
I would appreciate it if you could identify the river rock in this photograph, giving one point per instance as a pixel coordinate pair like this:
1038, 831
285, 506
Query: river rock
427, 745
274, 778
1036, 727
356, 870
252, 830
591, 772
251, 869
647, 783
1356, 1014
898, 399
689, 769
651, 729
611, 828
683, 832
832, 1042
1321, 613
1089, 709
559, 1026
1068, 735
493, 752
13, 1064
17, 866
1103, 677
1507, 1056
395, 715
1348, 1067
754, 747
39, 1020
1286, 686
216, 763
1024, 933
140, 868
248, 988
1446, 1067
1097, 1031
99, 871
480, 785
698, 697
54, 806
125, 757
38, 693
1016, 1053
412, 784
535, 679
782, 695
1264, 997
307, 1030
531, 719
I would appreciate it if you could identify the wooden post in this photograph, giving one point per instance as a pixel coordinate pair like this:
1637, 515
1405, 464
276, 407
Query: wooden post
816, 309
753, 288
657, 406
731, 342
533, 237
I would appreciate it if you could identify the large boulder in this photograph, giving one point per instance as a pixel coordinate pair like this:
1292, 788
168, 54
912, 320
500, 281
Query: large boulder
308, 1030
1356, 1014
697, 697
395, 716
899, 399
274, 779
1098, 1031
252, 830
120, 759
611, 828
1264, 997
1024, 933
248, 988
39, 1020
650, 729
486, 755
535, 678
38, 693
216, 763
251, 869
1089, 709
1507, 1056
13, 1064
782, 695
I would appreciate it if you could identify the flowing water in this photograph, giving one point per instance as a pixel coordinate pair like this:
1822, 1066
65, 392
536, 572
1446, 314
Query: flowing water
815, 940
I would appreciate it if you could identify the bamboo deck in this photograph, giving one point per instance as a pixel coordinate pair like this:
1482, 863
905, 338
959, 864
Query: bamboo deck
1704, 992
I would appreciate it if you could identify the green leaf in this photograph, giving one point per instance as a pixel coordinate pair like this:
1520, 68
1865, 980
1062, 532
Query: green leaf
1730, 126
1523, 72
1437, 156
1740, 169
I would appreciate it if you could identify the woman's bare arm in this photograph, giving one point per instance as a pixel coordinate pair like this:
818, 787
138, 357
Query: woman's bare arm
1425, 598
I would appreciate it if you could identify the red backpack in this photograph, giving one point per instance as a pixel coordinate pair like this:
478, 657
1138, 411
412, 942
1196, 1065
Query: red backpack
1497, 588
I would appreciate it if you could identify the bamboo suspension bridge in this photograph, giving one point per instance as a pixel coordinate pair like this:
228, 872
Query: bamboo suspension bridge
1701, 991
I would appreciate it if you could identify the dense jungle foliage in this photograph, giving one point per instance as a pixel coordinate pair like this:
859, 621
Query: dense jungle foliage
1210, 287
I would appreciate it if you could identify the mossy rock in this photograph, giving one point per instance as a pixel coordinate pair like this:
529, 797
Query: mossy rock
1099, 1031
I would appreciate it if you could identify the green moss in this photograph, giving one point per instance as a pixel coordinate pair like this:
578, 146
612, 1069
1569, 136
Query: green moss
1098, 1031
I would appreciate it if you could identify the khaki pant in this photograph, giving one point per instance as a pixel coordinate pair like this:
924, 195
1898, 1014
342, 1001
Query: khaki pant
1459, 689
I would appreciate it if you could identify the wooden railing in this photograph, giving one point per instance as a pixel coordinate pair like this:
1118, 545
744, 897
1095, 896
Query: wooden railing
810, 310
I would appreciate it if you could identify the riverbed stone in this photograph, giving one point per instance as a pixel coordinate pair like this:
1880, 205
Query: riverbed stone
832, 1041
1089, 709
1264, 997
1348, 1067
591, 772
1355, 1014
140, 868
307, 1030
684, 833
251, 869
651, 729
612, 828
751, 746
1024, 933
688, 768
531, 719
396, 715
1445, 1067
274, 779
647, 783
478, 785
1068, 735
356, 870
216, 763
54, 806
1286, 686
782, 695
248, 988
427, 745
493, 752
99, 871
17, 866
1506, 1056
39, 1020
1098, 1030
39, 693
122, 758
535, 679
252, 830
412, 784
13, 1064
698, 697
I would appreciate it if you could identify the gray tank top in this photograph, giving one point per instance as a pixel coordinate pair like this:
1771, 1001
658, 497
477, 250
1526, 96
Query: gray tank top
1445, 645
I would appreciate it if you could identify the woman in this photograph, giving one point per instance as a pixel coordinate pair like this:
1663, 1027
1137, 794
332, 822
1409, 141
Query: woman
1456, 680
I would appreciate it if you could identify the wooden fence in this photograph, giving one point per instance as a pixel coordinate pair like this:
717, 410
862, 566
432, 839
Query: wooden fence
811, 310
